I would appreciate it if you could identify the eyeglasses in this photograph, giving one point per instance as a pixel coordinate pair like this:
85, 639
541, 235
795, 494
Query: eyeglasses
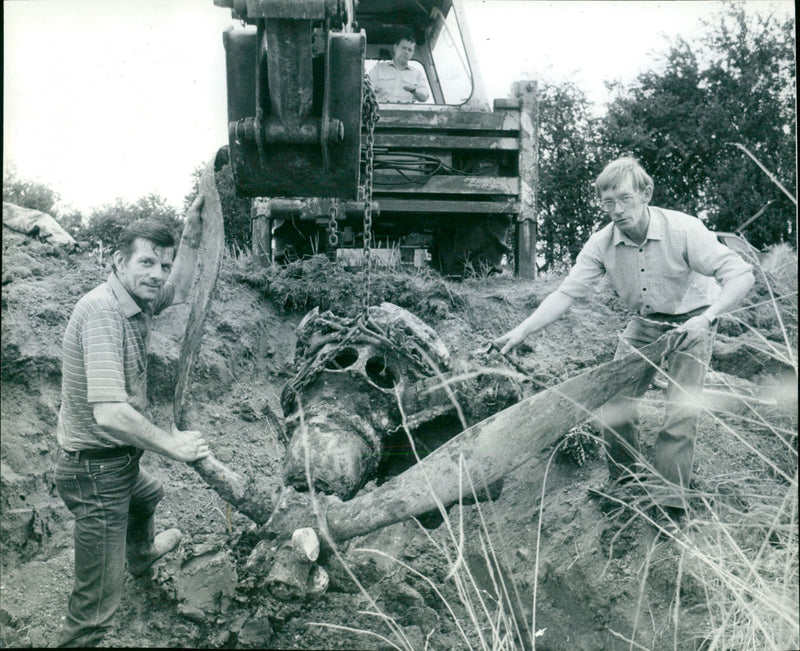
626, 201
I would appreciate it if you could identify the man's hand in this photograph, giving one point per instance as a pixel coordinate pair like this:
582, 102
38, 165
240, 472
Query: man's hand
411, 89
696, 329
187, 445
511, 339
193, 230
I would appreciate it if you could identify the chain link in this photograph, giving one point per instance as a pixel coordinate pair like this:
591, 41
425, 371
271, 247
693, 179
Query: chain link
371, 117
333, 225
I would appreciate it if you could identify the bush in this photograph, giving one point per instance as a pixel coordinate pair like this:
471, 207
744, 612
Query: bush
28, 194
235, 209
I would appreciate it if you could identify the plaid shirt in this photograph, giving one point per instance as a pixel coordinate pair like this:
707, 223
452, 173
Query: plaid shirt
674, 271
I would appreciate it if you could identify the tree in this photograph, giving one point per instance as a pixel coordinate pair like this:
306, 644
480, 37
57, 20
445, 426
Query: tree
567, 168
747, 83
26, 193
72, 221
736, 85
107, 222
656, 120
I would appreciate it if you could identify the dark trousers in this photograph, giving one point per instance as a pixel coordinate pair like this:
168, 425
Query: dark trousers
674, 446
113, 502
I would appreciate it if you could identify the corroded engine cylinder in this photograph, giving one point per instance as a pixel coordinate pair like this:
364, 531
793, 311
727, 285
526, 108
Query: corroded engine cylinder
345, 397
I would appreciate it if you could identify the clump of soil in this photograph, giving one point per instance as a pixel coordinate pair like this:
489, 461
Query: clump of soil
600, 577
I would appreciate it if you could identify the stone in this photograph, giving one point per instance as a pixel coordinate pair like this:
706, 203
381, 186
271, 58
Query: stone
404, 594
256, 631
205, 581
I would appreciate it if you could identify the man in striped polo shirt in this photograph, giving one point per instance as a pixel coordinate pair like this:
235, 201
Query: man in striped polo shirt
102, 431
673, 274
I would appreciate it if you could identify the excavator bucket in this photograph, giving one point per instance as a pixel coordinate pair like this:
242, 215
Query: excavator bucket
294, 103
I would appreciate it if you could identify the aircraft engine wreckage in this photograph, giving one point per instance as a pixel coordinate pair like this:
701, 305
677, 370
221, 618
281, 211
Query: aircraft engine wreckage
400, 353
354, 376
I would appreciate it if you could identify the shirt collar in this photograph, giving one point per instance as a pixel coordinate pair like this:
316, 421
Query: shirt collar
396, 67
126, 302
655, 229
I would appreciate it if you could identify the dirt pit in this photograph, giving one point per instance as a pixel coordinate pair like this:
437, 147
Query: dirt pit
582, 572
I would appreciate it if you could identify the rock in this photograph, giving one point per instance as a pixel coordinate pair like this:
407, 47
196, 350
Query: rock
318, 582
746, 356
427, 619
260, 558
206, 582
35, 223
306, 543
190, 612
404, 594
256, 632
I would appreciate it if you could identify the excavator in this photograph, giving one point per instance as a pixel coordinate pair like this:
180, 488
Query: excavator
307, 143
450, 182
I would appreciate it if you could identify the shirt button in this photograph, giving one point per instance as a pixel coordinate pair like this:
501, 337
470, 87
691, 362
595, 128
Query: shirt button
644, 289
642, 270
641, 250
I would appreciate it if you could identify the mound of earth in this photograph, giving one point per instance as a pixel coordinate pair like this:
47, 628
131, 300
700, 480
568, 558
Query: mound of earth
593, 569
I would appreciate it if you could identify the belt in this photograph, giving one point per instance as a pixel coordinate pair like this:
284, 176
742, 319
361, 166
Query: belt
677, 319
101, 453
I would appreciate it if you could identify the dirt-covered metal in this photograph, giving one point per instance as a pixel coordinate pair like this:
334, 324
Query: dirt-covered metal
344, 398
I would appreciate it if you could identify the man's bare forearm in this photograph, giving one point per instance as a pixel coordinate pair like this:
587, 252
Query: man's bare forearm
127, 424
550, 309
733, 293
183, 268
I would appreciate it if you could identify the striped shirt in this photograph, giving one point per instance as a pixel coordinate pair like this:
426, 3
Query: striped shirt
104, 359
674, 271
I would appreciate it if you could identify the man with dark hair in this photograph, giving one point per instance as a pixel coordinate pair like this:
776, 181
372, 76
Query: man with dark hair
102, 431
395, 80
673, 274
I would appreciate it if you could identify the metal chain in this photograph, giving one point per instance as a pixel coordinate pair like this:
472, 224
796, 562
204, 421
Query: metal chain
371, 117
333, 225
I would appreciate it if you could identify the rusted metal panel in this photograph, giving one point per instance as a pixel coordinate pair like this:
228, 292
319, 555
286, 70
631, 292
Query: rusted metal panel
442, 206
473, 120
442, 184
295, 9
288, 45
444, 141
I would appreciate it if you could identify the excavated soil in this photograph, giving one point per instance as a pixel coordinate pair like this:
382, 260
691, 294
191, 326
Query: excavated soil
598, 576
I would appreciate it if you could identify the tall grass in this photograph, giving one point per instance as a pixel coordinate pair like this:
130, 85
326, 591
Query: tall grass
741, 540
748, 558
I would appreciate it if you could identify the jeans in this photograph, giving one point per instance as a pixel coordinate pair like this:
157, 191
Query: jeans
113, 502
674, 446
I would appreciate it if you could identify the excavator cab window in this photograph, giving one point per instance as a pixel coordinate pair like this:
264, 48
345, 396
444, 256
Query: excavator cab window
440, 51
450, 59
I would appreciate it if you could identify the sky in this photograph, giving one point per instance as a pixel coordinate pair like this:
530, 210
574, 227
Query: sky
106, 99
